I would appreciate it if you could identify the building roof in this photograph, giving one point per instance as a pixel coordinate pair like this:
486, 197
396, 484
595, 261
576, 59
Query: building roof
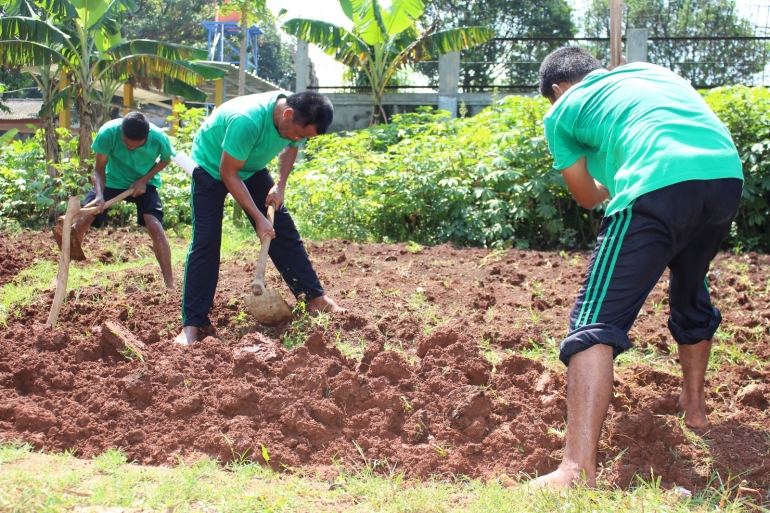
254, 84
25, 108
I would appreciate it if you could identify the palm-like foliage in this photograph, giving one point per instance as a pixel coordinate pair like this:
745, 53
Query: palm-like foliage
384, 40
81, 38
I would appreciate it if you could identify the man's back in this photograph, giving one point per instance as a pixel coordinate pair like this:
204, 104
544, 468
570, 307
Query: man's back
641, 128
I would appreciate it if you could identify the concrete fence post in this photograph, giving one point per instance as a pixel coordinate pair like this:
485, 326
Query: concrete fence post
636, 45
448, 79
302, 66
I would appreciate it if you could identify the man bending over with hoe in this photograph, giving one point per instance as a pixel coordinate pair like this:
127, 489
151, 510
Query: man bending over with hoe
641, 136
130, 152
232, 150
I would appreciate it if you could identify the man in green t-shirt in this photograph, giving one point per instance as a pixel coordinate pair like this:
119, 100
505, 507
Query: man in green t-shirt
645, 139
232, 149
130, 152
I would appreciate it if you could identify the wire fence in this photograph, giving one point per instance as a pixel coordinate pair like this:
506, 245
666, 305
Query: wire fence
700, 53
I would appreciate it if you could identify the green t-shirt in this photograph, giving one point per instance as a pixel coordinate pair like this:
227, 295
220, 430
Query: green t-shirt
125, 166
243, 127
641, 128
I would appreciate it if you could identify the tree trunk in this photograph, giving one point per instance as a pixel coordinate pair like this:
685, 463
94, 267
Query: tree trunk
85, 113
51, 142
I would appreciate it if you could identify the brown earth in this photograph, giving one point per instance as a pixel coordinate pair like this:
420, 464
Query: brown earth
401, 382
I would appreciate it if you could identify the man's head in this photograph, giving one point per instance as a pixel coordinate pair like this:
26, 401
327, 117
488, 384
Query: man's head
564, 68
135, 128
307, 114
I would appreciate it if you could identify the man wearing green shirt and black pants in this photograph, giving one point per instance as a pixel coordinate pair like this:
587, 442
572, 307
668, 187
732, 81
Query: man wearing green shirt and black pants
232, 150
130, 152
643, 137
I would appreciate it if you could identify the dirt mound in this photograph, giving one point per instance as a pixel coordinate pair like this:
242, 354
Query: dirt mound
403, 380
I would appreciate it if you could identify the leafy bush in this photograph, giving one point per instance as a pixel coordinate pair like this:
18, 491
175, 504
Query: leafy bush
31, 197
746, 112
485, 180
28, 194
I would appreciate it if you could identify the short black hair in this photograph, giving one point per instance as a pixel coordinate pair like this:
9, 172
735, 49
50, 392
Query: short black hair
569, 64
311, 108
135, 126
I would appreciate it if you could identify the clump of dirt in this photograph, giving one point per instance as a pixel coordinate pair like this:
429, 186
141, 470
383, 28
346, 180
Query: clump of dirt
444, 364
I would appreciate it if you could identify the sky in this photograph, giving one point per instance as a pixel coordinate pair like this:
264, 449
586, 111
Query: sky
329, 72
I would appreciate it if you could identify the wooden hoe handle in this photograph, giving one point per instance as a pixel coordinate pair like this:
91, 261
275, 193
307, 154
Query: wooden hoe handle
89, 210
258, 285
64, 262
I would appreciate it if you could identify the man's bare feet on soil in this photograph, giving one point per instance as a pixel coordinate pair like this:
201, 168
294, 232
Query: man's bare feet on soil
694, 411
323, 304
188, 335
562, 478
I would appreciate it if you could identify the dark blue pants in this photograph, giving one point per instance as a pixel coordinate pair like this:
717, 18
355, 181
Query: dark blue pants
201, 271
680, 227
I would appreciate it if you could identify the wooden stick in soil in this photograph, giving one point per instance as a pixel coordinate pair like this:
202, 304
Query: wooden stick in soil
616, 23
73, 207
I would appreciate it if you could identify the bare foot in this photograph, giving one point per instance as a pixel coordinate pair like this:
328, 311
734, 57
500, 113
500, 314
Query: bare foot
188, 335
694, 411
323, 304
562, 478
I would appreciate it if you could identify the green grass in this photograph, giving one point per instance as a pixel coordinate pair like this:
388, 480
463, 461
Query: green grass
546, 353
52, 483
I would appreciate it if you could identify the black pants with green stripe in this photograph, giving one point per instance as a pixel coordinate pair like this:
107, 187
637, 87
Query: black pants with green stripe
201, 272
680, 227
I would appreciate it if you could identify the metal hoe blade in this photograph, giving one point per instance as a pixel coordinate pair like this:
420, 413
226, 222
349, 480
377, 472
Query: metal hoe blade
269, 308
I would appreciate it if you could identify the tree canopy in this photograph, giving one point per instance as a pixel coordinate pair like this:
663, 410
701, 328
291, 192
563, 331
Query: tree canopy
498, 61
706, 62
384, 40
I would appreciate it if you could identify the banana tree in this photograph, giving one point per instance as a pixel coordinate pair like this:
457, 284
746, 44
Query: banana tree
81, 38
383, 40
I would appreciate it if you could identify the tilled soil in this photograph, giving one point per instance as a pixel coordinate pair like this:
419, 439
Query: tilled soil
403, 381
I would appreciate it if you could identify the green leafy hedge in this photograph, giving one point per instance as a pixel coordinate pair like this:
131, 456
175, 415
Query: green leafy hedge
482, 181
487, 180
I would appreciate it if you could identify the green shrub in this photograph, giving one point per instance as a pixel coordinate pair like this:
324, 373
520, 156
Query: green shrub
485, 180
746, 112
28, 194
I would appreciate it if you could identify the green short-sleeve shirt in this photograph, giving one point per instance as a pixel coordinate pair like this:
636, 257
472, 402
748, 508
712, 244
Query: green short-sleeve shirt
125, 166
244, 128
641, 128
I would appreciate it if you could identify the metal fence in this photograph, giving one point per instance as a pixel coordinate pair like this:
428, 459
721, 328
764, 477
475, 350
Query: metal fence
706, 60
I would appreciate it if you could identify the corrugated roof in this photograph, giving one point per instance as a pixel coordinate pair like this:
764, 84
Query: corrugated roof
21, 108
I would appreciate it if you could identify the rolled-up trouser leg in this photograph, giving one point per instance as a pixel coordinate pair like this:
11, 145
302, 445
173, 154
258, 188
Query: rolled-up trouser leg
679, 226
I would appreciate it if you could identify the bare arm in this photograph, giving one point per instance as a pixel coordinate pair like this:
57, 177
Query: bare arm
285, 164
587, 191
228, 170
140, 186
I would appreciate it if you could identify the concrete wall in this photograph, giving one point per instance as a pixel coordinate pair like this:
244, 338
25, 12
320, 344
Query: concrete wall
352, 111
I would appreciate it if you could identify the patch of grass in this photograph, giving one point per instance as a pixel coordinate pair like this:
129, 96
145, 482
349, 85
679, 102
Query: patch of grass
726, 351
413, 247
546, 352
352, 347
304, 324
493, 354
36, 482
